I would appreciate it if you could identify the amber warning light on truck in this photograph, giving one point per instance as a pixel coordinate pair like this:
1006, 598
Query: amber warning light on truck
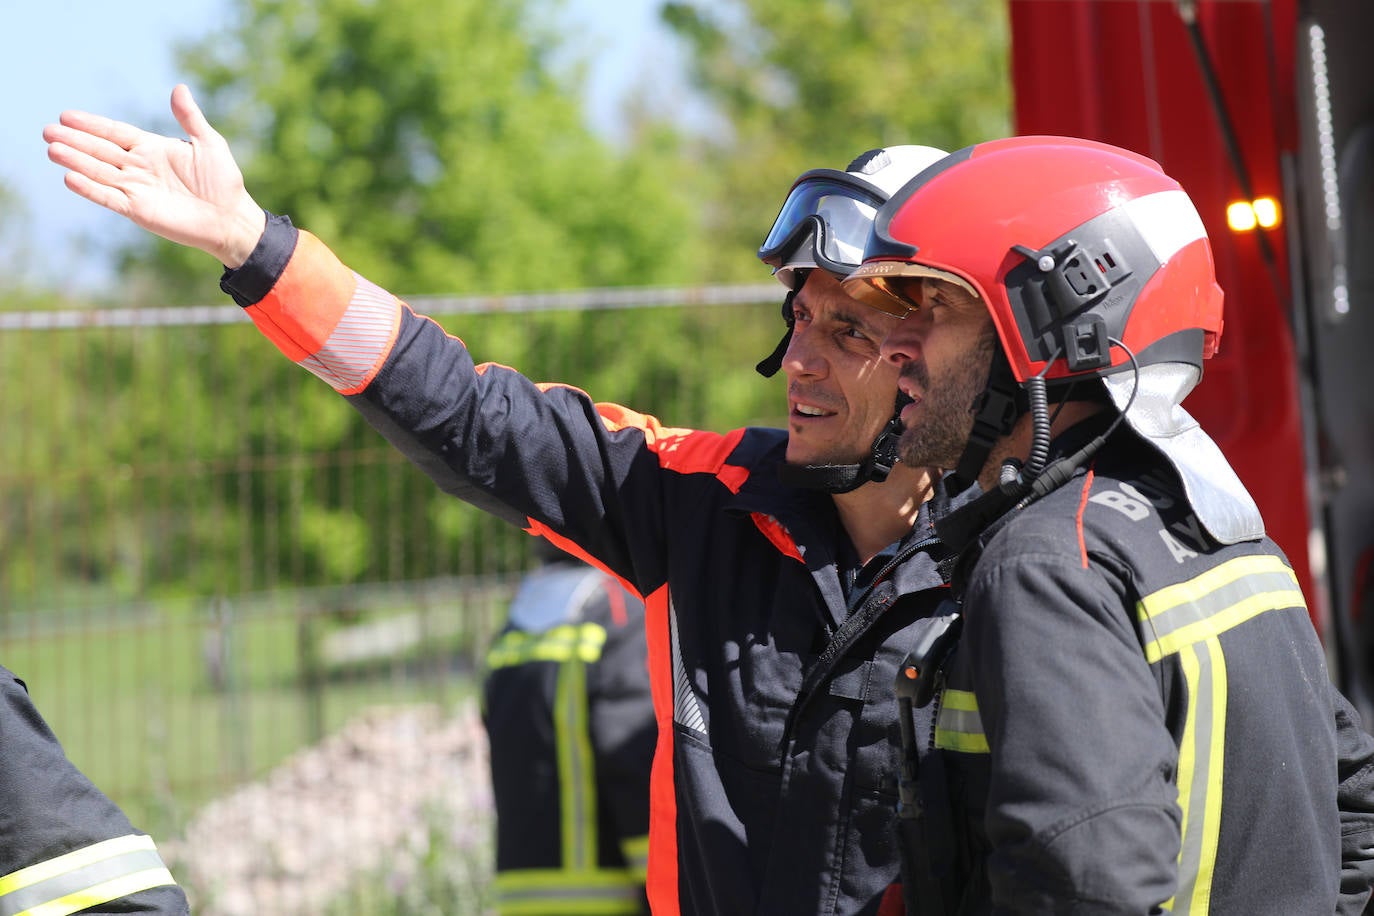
1245, 215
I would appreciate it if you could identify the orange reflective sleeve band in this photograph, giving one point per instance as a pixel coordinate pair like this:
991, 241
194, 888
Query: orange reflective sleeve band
328, 319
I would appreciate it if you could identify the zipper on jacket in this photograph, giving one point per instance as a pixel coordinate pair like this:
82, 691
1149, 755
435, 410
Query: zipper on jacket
856, 623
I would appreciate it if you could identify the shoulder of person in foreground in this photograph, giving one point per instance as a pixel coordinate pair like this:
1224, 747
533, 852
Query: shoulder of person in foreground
64, 845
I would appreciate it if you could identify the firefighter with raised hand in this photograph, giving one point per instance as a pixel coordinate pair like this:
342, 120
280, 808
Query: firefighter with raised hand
783, 571
64, 846
1137, 715
570, 721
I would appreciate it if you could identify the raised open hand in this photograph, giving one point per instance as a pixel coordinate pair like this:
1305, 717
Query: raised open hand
189, 191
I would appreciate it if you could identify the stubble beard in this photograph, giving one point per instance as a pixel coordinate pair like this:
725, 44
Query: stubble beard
942, 429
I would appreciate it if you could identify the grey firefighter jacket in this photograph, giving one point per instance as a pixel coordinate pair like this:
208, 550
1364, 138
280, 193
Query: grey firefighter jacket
64, 846
1140, 719
774, 779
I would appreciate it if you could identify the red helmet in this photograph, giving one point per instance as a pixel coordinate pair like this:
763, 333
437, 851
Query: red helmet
1071, 243
1086, 255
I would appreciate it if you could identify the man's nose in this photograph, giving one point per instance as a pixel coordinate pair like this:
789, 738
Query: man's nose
903, 343
802, 357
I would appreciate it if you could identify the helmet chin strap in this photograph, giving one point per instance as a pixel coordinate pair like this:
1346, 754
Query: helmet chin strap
994, 413
844, 478
1021, 484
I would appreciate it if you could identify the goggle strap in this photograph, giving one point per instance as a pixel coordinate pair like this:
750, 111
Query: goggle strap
770, 364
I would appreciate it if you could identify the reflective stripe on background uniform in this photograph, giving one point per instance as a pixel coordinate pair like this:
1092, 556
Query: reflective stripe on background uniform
84, 878
579, 886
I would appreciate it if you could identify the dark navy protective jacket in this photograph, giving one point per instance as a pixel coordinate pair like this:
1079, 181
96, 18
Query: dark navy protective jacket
64, 846
774, 776
1138, 719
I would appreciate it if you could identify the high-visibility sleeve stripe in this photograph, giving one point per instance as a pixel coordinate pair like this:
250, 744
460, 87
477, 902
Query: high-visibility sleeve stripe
576, 768
583, 642
1224, 597
1200, 774
958, 726
328, 319
636, 852
84, 878
537, 892
353, 353
302, 308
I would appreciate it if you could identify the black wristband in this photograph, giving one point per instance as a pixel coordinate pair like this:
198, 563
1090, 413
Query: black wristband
254, 279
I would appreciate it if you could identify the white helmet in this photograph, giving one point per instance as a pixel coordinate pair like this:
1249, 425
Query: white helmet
826, 218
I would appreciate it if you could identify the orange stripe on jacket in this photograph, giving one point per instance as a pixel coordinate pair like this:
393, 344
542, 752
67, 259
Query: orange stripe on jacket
325, 317
572, 548
687, 451
1082, 505
777, 535
305, 305
662, 883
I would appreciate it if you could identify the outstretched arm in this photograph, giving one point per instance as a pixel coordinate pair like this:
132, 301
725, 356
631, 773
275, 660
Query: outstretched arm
189, 191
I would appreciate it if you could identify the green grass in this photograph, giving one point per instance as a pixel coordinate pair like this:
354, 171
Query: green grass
130, 698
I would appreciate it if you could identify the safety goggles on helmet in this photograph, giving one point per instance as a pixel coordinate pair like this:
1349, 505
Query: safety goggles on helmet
824, 223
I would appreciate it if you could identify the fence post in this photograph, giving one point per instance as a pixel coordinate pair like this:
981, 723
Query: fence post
312, 674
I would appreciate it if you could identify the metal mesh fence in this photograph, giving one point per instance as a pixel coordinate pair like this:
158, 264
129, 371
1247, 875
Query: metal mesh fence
252, 623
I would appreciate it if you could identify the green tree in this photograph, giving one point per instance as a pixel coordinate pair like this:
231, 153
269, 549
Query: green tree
803, 85
436, 147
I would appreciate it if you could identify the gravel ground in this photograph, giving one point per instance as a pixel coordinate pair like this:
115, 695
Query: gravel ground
364, 802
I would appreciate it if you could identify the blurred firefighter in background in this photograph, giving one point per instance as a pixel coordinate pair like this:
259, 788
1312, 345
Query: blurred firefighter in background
570, 719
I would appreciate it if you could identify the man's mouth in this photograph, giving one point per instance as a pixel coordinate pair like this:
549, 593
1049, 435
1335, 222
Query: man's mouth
806, 410
909, 408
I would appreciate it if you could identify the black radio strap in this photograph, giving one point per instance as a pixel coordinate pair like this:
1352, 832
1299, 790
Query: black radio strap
924, 819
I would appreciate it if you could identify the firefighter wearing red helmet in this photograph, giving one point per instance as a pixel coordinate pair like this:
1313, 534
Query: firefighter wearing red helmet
1136, 716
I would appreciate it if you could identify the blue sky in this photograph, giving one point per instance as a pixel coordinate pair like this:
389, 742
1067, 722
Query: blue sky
117, 59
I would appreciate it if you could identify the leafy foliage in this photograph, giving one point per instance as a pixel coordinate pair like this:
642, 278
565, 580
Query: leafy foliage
807, 85
436, 148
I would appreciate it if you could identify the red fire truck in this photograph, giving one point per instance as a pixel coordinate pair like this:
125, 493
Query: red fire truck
1264, 112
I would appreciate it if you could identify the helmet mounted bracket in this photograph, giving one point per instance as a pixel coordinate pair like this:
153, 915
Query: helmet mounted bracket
1074, 279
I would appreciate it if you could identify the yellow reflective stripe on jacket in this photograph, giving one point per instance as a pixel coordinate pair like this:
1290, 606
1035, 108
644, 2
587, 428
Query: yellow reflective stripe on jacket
576, 768
580, 641
1214, 602
1187, 620
636, 852
958, 726
539, 891
1200, 756
84, 878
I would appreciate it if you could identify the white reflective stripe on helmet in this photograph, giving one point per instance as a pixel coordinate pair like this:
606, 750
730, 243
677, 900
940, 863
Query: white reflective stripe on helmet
1167, 221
